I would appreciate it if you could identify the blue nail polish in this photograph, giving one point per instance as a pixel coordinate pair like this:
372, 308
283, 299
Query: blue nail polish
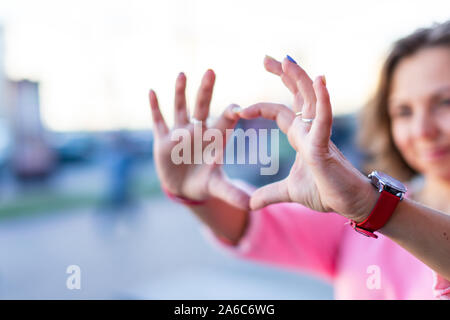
290, 59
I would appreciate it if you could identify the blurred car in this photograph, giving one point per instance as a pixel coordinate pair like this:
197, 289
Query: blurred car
73, 147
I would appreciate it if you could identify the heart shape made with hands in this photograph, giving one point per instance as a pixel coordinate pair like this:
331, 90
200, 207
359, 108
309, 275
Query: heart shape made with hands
320, 178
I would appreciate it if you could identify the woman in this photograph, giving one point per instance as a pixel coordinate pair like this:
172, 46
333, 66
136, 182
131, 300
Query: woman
284, 223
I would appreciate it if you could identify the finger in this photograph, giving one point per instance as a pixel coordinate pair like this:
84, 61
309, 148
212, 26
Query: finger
274, 66
272, 111
220, 187
181, 117
304, 85
159, 125
204, 96
321, 127
298, 102
227, 120
272, 193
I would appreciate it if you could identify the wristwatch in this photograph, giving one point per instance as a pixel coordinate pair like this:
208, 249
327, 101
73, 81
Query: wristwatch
391, 193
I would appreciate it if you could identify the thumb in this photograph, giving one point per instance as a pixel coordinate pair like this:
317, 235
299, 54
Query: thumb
221, 187
271, 193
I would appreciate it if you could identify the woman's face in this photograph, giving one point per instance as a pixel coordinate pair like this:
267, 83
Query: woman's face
419, 108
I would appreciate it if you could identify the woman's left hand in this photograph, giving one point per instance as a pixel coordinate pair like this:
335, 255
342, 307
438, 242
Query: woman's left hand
321, 178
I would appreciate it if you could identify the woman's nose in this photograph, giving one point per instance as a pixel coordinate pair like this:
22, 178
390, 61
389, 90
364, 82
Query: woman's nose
426, 126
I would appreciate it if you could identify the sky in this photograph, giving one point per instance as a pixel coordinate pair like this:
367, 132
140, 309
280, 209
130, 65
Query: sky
95, 60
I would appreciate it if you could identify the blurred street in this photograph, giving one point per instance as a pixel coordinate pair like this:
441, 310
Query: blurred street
154, 251
100, 208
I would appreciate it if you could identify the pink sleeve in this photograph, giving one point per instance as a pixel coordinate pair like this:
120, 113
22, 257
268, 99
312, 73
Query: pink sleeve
292, 236
441, 287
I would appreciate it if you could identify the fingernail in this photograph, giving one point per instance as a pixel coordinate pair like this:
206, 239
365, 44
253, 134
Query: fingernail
324, 80
236, 109
290, 59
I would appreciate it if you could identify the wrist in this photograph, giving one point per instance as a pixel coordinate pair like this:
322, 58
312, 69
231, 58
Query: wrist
181, 199
390, 193
368, 200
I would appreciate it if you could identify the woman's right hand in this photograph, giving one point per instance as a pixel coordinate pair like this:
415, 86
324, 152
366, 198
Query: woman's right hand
189, 180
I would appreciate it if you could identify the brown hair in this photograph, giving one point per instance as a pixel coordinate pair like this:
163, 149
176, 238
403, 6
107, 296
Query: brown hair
375, 131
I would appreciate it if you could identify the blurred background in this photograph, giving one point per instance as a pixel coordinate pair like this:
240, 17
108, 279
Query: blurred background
77, 179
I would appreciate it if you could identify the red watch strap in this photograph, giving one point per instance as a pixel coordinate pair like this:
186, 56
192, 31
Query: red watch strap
383, 210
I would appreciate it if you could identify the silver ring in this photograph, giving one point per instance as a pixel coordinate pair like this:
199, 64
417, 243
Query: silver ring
305, 120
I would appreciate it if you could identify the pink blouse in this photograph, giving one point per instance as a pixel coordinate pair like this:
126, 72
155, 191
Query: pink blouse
323, 244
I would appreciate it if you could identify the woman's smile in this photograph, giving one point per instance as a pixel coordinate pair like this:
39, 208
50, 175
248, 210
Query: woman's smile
437, 153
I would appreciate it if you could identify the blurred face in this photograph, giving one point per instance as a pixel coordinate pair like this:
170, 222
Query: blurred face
419, 107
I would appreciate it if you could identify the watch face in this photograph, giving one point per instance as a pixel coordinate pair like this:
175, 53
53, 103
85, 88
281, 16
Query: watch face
389, 181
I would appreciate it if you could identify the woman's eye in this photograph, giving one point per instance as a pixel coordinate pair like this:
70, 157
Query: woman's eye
403, 112
445, 102
442, 105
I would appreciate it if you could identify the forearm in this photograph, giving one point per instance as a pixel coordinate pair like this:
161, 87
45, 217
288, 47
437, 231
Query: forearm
224, 219
422, 231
